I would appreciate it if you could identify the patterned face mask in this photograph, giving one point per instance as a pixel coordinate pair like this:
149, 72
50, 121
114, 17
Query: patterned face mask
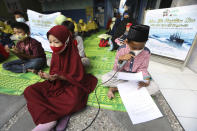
18, 37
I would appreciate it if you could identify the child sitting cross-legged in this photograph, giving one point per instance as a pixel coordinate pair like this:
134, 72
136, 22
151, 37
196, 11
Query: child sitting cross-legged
66, 87
29, 51
137, 57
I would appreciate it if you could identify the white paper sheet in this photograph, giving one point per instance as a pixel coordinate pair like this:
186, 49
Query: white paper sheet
138, 103
130, 76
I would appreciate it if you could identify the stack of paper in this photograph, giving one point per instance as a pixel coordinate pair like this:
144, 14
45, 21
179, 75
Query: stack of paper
130, 76
138, 103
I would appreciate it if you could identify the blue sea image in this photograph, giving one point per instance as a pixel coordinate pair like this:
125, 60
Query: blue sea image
40, 33
177, 39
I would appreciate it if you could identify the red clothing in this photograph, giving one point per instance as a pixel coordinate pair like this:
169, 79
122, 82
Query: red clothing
108, 23
3, 52
31, 47
49, 101
75, 42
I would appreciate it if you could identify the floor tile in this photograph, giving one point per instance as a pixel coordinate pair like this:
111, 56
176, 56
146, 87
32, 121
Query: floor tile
161, 68
182, 102
168, 81
195, 92
189, 124
164, 68
190, 80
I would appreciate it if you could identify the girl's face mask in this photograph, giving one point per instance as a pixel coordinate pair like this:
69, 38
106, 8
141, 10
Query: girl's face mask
59, 49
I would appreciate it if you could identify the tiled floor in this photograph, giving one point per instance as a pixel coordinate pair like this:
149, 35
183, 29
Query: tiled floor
180, 90
190, 124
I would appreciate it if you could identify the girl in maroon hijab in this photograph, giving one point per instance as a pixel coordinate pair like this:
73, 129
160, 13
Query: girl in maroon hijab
66, 87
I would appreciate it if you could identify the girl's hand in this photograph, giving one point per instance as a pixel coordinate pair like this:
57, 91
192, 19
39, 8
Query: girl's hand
47, 76
43, 74
143, 84
53, 77
7, 49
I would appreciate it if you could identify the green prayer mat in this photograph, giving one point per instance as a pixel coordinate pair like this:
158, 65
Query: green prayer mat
15, 83
101, 59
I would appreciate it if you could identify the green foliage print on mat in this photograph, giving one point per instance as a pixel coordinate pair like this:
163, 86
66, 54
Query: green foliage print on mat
102, 61
15, 83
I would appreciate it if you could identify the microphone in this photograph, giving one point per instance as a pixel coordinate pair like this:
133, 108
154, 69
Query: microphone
122, 63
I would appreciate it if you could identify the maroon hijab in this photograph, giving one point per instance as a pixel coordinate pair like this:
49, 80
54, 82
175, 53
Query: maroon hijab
68, 63
60, 32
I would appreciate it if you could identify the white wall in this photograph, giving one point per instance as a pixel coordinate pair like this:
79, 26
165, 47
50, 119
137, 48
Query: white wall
66, 5
192, 64
176, 3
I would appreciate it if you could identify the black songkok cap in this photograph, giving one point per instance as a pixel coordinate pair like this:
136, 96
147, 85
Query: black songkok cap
138, 33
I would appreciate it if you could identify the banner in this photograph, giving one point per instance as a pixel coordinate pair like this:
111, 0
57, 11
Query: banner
121, 6
40, 24
172, 31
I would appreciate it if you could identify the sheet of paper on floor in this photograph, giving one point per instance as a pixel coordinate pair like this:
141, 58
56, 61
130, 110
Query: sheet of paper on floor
138, 103
130, 76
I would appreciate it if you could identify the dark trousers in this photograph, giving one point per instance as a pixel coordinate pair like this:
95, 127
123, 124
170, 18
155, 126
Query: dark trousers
21, 66
2, 58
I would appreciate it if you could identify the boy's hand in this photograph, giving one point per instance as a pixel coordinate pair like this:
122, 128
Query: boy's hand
7, 49
15, 50
143, 84
122, 42
126, 57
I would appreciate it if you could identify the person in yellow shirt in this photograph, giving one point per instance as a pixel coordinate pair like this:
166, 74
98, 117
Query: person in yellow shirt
69, 19
5, 28
76, 30
2, 26
79, 29
95, 26
83, 26
90, 27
